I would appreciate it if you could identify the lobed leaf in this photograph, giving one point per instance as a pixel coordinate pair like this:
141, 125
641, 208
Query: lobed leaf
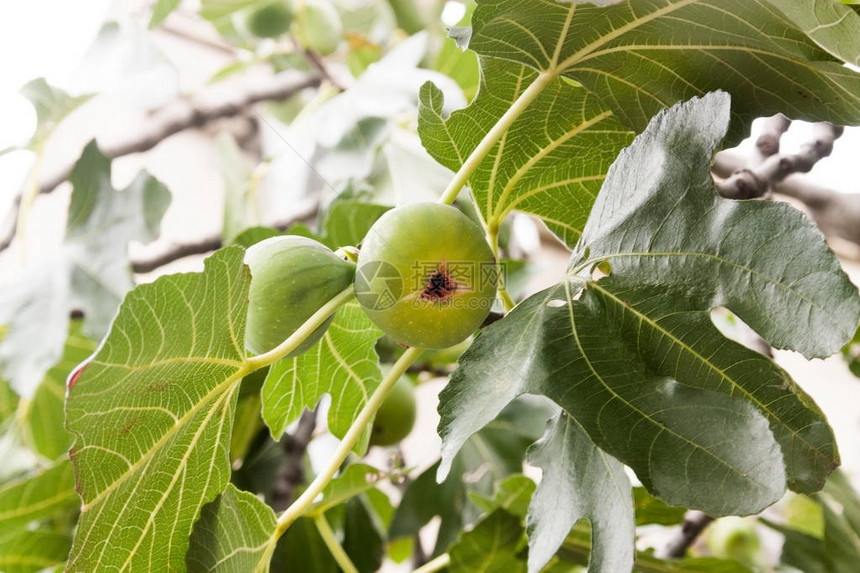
233, 534
37, 497
152, 413
639, 57
343, 363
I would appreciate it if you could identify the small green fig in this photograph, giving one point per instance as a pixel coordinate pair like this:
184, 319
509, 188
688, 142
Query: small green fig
396, 416
318, 26
270, 20
291, 278
426, 276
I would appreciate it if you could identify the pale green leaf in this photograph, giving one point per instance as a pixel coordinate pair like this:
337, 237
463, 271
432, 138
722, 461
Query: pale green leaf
232, 535
343, 363
641, 56
52, 106
152, 415
550, 163
513, 494
90, 271
579, 481
162, 10
36, 497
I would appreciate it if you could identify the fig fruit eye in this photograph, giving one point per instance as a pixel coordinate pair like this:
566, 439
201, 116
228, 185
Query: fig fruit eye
396, 416
426, 276
291, 278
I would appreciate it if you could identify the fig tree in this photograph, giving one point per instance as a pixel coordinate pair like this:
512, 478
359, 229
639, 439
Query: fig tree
291, 278
426, 276
396, 416
270, 20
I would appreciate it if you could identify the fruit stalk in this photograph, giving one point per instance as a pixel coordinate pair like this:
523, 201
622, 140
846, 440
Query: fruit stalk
304, 501
502, 288
335, 548
494, 135
435, 565
316, 320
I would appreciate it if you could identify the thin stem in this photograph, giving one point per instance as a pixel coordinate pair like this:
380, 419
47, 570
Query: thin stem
494, 135
502, 289
310, 325
304, 501
435, 565
333, 545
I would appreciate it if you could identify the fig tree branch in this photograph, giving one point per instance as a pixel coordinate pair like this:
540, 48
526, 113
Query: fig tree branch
694, 524
754, 181
206, 245
208, 105
185, 113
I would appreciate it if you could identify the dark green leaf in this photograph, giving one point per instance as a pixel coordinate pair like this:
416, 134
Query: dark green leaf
491, 547
232, 535
650, 510
363, 536
579, 481
348, 220
634, 357
301, 550
513, 494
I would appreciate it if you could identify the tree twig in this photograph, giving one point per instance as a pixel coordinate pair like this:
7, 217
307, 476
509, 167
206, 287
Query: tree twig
754, 182
206, 106
186, 113
291, 473
206, 245
694, 524
837, 214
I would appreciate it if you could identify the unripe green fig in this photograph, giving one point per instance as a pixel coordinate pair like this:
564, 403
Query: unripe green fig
426, 276
318, 26
291, 278
396, 416
270, 20
735, 538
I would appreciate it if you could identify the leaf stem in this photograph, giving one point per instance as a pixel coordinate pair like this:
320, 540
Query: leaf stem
494, 135
316, 320
502, 289
304, 501
333, 545
435, 565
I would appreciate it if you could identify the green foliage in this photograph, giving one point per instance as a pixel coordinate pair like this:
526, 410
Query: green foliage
52, 106
343, 363
88, 273
635, 343
151, 414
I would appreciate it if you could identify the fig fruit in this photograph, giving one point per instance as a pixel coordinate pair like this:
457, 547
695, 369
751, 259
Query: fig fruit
270, 20
318, 26
396, 416
426, 276
291, 278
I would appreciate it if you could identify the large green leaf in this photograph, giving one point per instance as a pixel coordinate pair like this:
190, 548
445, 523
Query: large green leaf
579, 481
36, 497
551, 161
232, 535
343, 363
152, 415
89, 272
641, 56
634, 357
